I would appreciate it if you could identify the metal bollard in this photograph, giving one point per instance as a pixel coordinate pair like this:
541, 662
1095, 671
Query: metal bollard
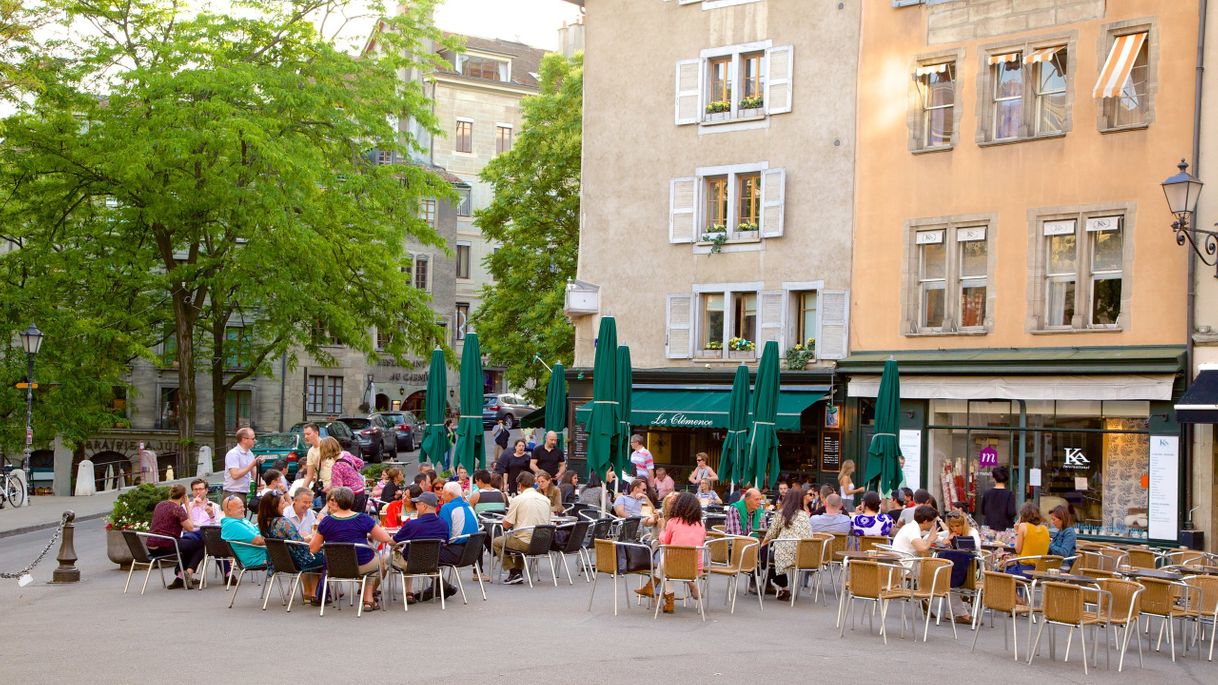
67, 571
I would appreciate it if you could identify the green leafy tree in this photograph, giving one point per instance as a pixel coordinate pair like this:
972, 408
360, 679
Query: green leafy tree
535, 216
232, 153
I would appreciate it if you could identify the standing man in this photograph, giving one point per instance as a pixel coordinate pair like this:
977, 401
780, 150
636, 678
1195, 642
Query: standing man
239, 463
548, 457
644, 465
313, 466
500, 436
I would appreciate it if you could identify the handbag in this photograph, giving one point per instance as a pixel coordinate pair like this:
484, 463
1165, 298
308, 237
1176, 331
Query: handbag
632, 559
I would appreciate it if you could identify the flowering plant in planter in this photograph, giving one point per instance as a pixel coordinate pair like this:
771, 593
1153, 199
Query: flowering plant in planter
716, 234
752, 102
713, 345
133, 509
746, 226
718, 106
799, 356
741, 345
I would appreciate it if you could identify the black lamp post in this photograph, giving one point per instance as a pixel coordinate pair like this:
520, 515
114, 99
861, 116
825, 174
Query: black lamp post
1182, 191
31, 340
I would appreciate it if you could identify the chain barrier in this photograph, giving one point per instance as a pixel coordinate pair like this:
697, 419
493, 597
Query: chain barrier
42, 555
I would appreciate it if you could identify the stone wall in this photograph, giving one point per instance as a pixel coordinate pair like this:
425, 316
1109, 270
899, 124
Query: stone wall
961, 20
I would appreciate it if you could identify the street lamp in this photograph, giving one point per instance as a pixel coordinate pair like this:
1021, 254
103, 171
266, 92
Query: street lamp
1182, 190
31, 340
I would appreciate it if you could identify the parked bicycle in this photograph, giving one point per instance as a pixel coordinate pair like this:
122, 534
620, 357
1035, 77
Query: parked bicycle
11, 490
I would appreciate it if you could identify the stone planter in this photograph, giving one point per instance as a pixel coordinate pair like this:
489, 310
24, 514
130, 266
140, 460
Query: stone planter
117, 549
748, 235
742, 354
710, 354
712, 117
750, 113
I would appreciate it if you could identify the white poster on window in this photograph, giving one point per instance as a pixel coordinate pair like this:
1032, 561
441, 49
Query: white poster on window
1164, 487
910, 442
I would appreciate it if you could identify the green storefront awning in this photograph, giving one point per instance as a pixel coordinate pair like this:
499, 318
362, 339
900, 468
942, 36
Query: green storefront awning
701, 408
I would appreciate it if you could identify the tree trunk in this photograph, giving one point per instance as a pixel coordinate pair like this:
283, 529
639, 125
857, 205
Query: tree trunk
184, 318
219, 429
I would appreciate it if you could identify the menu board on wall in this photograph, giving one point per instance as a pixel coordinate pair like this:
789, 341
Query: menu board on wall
910, 441
1164, 487
578, 436
830, 451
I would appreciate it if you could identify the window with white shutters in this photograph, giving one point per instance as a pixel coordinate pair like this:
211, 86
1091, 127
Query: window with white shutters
748, 81
832, 342
679, 338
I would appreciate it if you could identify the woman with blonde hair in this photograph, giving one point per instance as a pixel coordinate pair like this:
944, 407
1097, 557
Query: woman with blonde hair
845, 483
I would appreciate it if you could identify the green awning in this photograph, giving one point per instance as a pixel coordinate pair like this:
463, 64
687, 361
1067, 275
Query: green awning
534, 419
701, 408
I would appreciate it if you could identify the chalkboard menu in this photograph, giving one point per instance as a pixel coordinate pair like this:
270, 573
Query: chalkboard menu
579, 436
830, 451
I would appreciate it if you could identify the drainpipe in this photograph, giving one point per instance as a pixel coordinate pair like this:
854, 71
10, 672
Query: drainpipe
1023, 452
1191, 306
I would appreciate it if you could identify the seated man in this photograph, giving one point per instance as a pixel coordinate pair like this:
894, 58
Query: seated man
234, 528
301, 514
428, 526
529, 508
833, 520
636, 503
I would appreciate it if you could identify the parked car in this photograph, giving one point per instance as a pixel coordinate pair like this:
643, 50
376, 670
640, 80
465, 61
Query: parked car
374, 435
336, 429
289, 446
406, 426
511, 408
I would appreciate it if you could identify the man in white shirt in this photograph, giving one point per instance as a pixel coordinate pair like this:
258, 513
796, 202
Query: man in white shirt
239, 464
527, 509
918, 539
301, 513
644, 465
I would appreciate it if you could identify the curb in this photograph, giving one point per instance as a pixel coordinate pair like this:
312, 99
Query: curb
46, 526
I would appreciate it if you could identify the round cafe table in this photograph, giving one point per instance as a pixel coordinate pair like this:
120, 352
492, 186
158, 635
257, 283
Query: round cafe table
870, 556
1157, 574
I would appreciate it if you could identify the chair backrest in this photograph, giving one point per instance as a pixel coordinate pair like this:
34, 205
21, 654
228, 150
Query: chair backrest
744, 553
542, 540
1125, 604
280, 556
577, 539
719, 545
1206, 595
1048, 561
606, 556
717, 528
868, 542
866, 578
472, 553
1158, 596
232, 544
215, 545
1062, 603
601, 530
810, 554
712, 520
1177, 557
341, 561
630, 529
935, 576
839, 543
1142, 557
999, 592
423, 556
139, 553
681, 562
482, 507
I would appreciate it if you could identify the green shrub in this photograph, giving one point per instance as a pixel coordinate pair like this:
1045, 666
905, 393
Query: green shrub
133, 509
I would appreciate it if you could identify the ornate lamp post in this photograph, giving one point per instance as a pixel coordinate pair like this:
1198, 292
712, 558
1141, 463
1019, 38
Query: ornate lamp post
1182, 191
31, 340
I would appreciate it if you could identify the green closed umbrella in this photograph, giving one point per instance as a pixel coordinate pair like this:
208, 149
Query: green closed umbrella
603, 419
763, 443
736, 445
883, 466
556, 403
470, 450
625, 390
435, 438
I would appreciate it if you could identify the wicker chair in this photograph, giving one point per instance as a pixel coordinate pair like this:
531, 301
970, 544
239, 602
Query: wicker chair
720, 554
1101, 559
141, 556
1123, 612
680, 563
873, 582
342, 566
809, 558
606, 562
1159, 600
934, 578
1142, 557
1000, 593
1206, 608
1062, 604
283, 564
869, 542
744, 552
1180, 557
837, 543
1040, 563
1097, 573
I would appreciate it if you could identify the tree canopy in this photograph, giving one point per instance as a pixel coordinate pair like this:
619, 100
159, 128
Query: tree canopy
535, 215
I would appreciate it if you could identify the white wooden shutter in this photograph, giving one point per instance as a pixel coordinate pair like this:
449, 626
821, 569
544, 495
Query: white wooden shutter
773, 195
689, 91
832, 330
771, 326
687, 2
680, 327
682, 201
779, 62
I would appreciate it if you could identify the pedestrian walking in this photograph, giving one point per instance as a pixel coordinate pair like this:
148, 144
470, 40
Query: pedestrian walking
500, 435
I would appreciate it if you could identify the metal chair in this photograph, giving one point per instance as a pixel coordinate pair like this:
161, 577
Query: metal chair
574, 544
215, 551
873, 582
1206, 609
1040, 563
241, 566
284, 564
1160, 600
1123, 611
1000, 593
342, 566
141, 556
471, 557
540, 539
628, 529
743, 551
1181, 557
1062, 604
680, 563
422, 560
934, 578
606, 563
1142, 557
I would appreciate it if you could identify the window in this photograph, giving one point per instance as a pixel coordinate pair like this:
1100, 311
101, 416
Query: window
712, 321
744, 316
752, 81
324, 395
461, 320
384, 156
748, 193
169, 348
746, 81
1083, 272
1026, 94
1008, 96
1051, 92
420, 273
465, 136
429, 212
503, 139
716, 205
1124, 82
805, 315
950, 279
237, 405
740, 202
237, 351
937, 91
478, 66
462, 260
168, 409
464, 202
719, 72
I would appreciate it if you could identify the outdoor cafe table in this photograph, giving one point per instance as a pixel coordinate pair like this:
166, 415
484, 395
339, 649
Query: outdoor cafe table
1203, 569
1157, 574
872, 556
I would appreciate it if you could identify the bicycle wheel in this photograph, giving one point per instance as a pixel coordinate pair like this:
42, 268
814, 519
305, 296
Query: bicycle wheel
13, 492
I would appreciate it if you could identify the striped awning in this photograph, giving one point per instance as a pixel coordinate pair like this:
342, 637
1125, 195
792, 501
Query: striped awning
1004, 58
1042, 55
1118, 65
928, 69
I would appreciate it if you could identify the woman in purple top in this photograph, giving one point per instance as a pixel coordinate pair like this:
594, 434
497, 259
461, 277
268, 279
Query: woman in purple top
344, 525
871, 521
169, 518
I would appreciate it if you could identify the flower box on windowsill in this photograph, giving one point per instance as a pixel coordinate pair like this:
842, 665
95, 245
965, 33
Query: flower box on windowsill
746, 235
750, 113
716, 117
742, 354
710, 354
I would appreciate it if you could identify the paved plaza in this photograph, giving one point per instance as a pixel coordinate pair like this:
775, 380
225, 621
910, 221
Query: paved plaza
93, 632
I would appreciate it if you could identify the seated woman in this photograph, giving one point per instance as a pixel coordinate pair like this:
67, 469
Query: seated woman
871, 521
545, 485
1062, 542
273, 524
395, 482
567, 484
791, 523
170, 518
487, 497
959, 526
345, 525
593, 491
1031, 538
706, 495
683, 527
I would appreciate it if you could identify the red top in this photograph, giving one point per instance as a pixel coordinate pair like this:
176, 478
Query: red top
167, 519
